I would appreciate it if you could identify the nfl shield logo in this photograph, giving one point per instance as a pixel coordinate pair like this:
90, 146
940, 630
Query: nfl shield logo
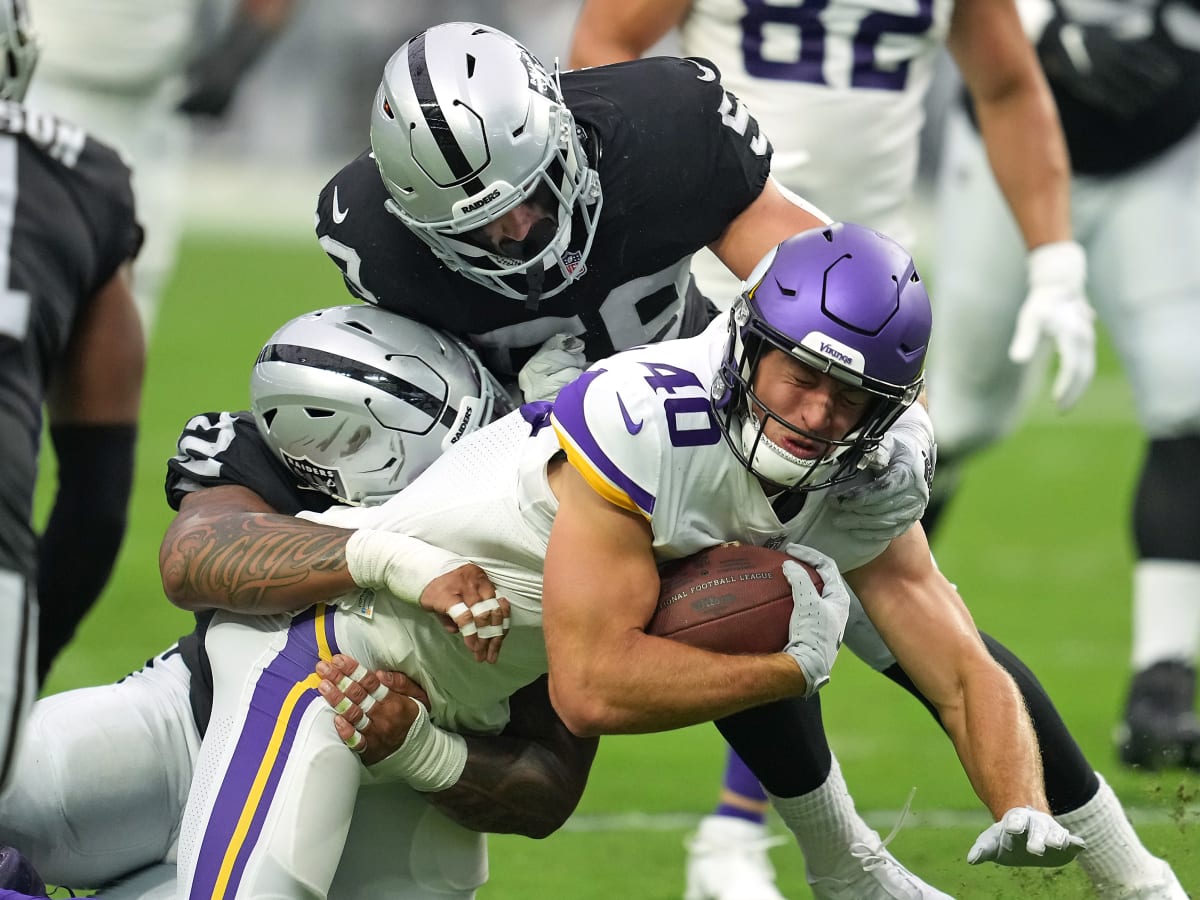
571, 261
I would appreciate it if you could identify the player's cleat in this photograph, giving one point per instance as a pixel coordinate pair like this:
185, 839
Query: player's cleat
1160, 729
870, 872
17, 874
727, 860
1163, 886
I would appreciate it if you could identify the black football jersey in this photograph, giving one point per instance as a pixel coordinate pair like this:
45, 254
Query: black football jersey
1123, 97
227, 449
66, 224
677, 163
1104, 138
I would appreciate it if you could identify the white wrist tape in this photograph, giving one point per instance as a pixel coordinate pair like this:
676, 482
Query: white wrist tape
397, 563
1062, 265
430, 759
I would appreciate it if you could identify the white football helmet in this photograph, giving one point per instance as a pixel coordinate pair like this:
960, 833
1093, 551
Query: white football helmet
19, 45
466, 125
358, 401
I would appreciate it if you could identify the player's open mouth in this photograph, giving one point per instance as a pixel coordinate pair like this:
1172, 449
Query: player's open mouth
796, 449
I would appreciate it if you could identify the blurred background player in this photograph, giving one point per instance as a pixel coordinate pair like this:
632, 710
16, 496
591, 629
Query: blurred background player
132, 72
840, 90
1127, 81
69, 340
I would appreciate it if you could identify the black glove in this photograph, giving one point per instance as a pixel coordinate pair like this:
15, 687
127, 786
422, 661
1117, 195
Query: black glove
1116, 75
213, 77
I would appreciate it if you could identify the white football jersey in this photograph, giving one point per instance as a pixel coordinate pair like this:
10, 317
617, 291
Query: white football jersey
838, 87
488, 501
640, 428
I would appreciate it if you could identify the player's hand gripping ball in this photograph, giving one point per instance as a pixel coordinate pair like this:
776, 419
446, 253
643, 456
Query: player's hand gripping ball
732, 598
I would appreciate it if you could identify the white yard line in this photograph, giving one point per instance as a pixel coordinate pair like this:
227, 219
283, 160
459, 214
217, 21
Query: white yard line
881, 819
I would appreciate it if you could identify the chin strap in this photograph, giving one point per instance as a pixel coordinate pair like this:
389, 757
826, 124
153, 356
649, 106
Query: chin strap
536, 278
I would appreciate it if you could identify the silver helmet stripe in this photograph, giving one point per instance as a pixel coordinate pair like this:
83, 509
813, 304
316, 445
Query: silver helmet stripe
433, 407
460, 166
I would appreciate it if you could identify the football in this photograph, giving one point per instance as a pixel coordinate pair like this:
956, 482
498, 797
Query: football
732, 598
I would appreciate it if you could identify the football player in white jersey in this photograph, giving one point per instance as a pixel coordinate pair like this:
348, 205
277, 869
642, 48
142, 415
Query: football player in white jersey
840, 89
120, 68
397, 393
634, 463
1127, 80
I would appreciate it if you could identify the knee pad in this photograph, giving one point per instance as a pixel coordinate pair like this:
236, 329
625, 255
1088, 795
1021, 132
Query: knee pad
1166, 509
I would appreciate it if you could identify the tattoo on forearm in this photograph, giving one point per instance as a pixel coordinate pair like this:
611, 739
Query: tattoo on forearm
243, 559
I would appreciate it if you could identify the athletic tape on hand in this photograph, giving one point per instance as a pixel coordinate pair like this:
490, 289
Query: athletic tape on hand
483, 607
380, 693
367, 704
362, 723
491, 604
355, 742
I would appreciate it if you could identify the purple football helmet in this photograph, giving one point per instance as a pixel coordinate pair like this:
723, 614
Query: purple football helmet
847, 301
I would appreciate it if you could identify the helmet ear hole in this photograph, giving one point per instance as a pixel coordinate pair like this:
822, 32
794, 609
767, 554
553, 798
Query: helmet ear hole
268, 417
315, 413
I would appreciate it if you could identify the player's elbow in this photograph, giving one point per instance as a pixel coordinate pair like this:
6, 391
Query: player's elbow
173, 570
585, 712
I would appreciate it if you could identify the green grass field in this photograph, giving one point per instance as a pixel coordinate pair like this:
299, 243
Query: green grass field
1037, 543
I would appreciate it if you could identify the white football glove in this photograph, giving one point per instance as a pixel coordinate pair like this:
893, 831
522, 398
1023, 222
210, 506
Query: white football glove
818, 620
558, 362
887, 506
1056, 308
1026, 837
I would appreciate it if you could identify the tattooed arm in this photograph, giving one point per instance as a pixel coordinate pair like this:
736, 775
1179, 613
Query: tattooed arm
526, 781
227, 548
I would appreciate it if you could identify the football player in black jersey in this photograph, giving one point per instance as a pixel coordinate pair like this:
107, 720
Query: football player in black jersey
69, 341
312, 439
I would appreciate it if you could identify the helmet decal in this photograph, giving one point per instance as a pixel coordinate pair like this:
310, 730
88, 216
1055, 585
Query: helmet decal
465, 174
